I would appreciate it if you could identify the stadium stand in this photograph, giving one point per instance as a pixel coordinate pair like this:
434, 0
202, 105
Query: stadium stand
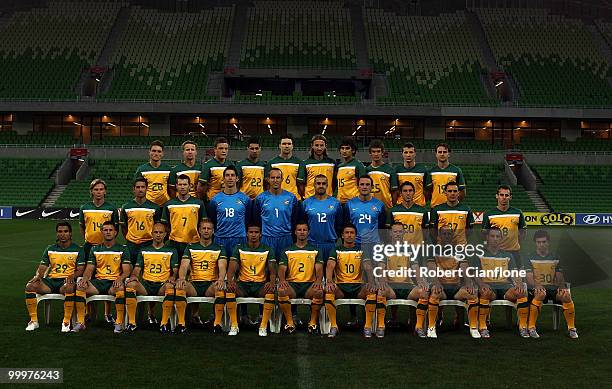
561, 144
168, 56
43, 50
552, 58
25, 182
571, 188
296, 97
32, 139
298, 34
426, 59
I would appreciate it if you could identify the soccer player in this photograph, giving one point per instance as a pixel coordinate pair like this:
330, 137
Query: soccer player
276, 210
348, 171
183, 214
91, 217
251, 170
108, 266
546, 282
211, 179
137, 218
496, 286
401, 286
317, 164
344, 274
457, 216
413, 172
206, 263
384, 185
230, 211
65, 262
366, 212
158, 264
413, 217
189, 167
156, 173
300, 275
509, 220
256, 278
455, 285
288, 164
441, 174
324, 216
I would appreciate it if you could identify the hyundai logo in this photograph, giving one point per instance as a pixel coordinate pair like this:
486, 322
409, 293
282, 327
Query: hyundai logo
590, 219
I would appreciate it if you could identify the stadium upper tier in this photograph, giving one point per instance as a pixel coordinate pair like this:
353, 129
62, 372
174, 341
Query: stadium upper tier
572, 188
552, 58
426, 59
298, 34
25, 182
167, 56
43, 50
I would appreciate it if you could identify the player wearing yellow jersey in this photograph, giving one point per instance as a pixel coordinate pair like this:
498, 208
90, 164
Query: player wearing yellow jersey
318, 163
288, 164
344, 275
62, 263
509, 220
156, 173
211, 179
384, 185
400, 285
251, 170
256, 265
107, 268
348, 172
546, 282
158, 264
413, 217
411, 171
191, 167
454, 285
300, 275
453, 214
206, 263
494, 286
442, 173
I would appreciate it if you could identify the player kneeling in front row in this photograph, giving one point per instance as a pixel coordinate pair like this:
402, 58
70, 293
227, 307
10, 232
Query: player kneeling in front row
206, 261
546, 282
65, 263
494, 285
401, 286
344, 274
159, 266
300, 274
111, 263
253, 261
454, 286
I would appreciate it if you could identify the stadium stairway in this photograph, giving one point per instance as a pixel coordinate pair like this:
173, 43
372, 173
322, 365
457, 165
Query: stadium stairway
359, 37
238, 31
537, 199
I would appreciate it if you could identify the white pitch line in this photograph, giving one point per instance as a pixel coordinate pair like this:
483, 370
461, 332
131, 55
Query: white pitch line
303, 362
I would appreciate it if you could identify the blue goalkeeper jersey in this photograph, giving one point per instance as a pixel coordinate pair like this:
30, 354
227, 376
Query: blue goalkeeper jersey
230, 214
367, 217
324, 219
277, 214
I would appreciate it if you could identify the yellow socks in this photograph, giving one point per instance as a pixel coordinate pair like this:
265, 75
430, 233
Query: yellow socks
107, 307
370, 307
534, 311
421, 309
267, 309
180, 299
568, 312
30, 300
219, 305
522, 309
79, 304
230, 304
315, 308
330, 307
285, 306
68, 307
131, 303
483, 313
119, 306
432, 312
167, 305
381, 309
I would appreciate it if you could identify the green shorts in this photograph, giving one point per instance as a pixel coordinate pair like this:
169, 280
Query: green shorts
300, 288
54, 283
134, 249
401, 290
151, 287
500, 290
551, 294
103, 286
201, 287
250, 289
450, 291
351, 291
179, 247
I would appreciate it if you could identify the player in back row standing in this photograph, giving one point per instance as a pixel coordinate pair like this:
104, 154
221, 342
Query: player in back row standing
348, 172
384, 179
414, 172
189, 167
441, 174
288, 165
156, 173
251, 170
211, 179
317, 164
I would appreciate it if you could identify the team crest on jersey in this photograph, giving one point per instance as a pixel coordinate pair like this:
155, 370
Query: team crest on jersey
106, 216
239, 202
374, 208
149, 217
70, 257
165, 257
331, 207
460, 217
193, 210
286, 202
116, 258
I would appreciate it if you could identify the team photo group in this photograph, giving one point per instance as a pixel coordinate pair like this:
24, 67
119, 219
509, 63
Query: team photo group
297, 229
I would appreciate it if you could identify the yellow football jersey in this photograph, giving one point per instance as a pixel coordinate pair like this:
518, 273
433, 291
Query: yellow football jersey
439, 181
62, 264
413, 224
157, 186
156, 266
215, 181
203, 264
509, 225
314, 169
489, 264
347, 183
348, 267
544, 271
253, 265
417, 179
194, 176
399, 262
252, 180
139, 224
290, 172
458, 221
448, 263
93, 220
108, 264
183, 218
300, 264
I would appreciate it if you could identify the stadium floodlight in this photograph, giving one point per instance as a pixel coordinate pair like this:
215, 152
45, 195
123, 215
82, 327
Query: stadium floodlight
77, 123
97, 79
235, 126
145, 124
358, 127
111, 124
354, 132
201, 125
498, 83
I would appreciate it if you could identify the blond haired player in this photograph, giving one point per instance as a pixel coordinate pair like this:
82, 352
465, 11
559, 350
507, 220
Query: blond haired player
318, 163
190, 167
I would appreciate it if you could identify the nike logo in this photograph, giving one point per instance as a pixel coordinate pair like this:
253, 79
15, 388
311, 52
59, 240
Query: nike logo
74, 214
45, 214
19, 213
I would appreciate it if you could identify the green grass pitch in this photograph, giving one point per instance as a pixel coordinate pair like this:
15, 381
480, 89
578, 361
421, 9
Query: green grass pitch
97, 357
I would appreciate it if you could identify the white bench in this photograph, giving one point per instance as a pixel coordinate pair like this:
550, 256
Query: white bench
257, 300
46, 300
